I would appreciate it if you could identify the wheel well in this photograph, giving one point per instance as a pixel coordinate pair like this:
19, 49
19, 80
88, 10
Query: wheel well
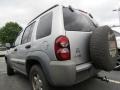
30, 63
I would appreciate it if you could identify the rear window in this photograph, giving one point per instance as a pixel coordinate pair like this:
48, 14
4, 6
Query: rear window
77, 21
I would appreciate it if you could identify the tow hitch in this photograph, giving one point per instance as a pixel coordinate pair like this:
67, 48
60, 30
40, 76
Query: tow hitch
108, 80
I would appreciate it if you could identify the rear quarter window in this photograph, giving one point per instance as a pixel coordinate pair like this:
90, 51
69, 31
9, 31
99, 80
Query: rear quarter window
44, 26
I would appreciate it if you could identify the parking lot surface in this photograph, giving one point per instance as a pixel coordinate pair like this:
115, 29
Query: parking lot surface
21, 82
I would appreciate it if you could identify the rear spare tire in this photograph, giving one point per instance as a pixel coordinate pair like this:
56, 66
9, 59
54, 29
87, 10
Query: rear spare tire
103, 48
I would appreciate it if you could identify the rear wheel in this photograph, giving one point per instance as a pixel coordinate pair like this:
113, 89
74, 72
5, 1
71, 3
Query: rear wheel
37, 79
103, 48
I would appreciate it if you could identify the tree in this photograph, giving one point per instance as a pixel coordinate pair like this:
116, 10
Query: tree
9, 32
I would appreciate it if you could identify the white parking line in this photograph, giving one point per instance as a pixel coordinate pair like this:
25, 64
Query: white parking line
114, 81
108, 80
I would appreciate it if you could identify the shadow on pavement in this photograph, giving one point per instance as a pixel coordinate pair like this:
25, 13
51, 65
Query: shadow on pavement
21, 82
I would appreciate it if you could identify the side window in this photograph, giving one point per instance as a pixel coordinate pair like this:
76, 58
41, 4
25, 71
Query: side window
44, 26
18, 39
31, 30
27, 33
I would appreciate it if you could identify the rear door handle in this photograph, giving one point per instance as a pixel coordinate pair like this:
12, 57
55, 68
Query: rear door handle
28, 46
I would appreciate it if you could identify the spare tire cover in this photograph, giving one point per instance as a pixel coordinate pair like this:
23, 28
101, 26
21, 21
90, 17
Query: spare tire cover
103, 48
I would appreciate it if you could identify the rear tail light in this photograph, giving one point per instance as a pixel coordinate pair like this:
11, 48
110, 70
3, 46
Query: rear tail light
62, 48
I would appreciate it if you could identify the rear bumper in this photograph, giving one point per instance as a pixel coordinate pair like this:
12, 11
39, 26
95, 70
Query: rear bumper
66, 73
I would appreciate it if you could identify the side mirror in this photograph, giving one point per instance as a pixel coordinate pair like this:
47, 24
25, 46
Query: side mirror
8, 45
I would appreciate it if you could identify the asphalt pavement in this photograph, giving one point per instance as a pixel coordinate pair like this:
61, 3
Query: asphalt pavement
21, 82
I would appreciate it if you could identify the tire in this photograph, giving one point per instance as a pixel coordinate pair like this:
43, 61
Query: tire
36, 75
10, 71
103, 48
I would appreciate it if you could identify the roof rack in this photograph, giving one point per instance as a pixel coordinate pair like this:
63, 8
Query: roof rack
44, 12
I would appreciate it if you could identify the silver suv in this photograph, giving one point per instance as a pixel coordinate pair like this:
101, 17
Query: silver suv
62, 47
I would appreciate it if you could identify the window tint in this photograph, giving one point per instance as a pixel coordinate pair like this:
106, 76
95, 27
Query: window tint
44, 26
27, 34
76, 21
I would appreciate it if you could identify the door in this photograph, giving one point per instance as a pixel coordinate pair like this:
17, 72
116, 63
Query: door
21, 51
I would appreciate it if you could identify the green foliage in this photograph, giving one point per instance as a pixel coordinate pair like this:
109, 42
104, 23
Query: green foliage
9, 32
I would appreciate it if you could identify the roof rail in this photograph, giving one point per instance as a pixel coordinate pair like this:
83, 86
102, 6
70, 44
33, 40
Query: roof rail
44, 12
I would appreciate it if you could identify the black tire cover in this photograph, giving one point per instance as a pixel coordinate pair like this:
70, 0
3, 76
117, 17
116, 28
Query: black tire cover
103, 48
